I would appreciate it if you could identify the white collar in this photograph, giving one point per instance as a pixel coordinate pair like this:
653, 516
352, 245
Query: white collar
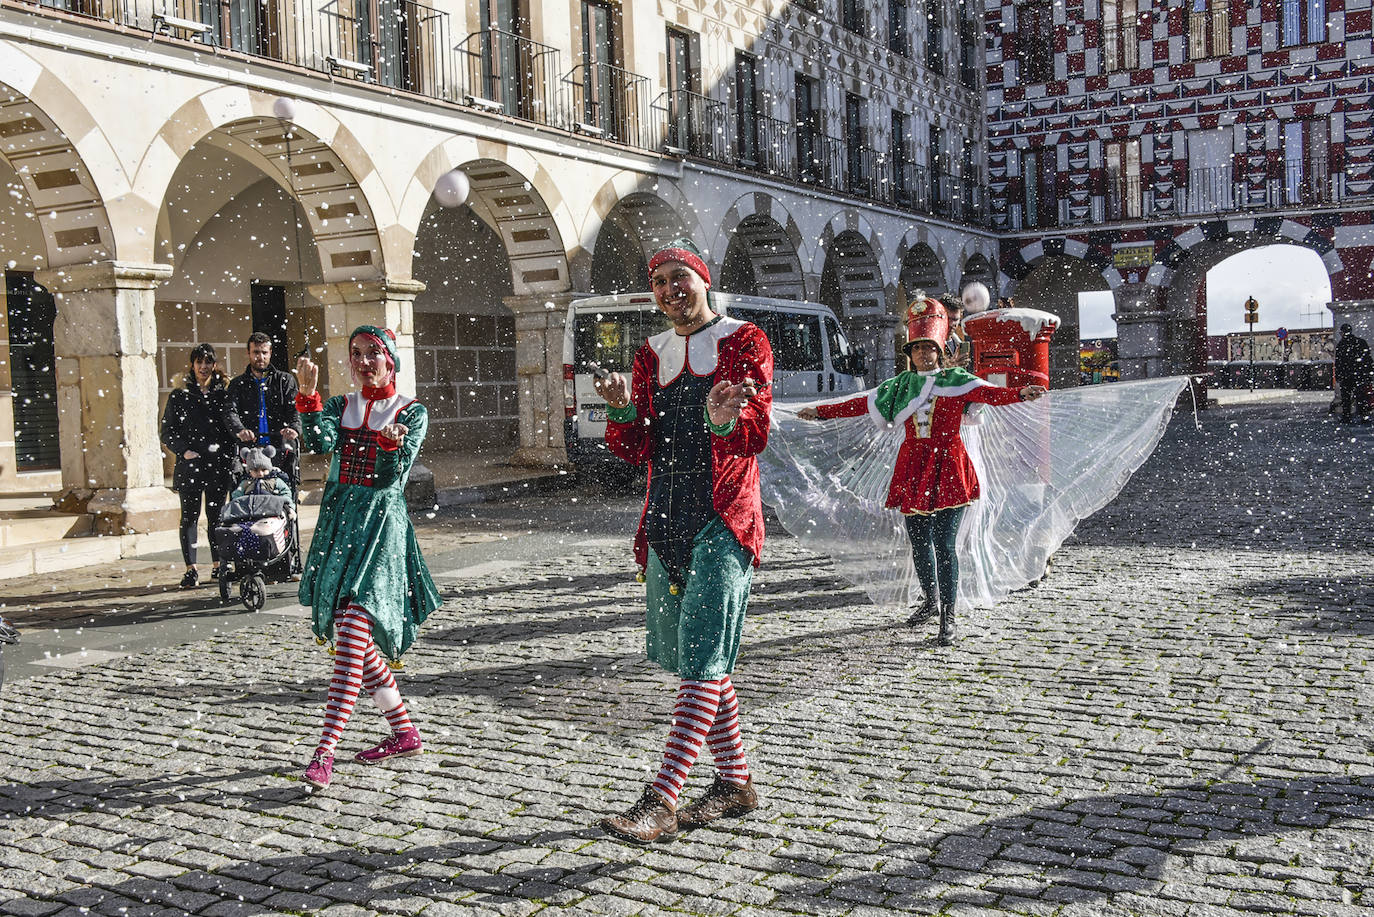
698, 351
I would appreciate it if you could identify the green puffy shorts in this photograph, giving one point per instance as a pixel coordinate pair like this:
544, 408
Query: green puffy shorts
696, 634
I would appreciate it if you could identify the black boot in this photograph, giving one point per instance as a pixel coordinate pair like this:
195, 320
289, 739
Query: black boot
921, 613
946, 636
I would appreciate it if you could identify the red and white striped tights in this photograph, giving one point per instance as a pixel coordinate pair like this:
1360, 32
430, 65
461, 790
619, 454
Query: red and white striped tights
706, 712
358, 665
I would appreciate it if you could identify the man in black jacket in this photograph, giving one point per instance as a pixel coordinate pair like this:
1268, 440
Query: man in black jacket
262, 406
1354, 374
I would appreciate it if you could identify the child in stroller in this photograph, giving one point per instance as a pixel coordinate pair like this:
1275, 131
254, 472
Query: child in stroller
257, 529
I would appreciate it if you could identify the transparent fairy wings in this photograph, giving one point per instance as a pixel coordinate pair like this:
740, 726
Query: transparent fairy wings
1043, 466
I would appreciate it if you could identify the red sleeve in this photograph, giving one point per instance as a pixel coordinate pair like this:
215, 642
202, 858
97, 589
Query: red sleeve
994, 394
753, 360
309, 404
854, 407
634, 441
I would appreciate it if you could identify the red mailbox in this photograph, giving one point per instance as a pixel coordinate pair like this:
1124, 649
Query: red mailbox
1011, 347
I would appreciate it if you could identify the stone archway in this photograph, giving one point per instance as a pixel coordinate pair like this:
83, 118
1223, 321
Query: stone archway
978, 268
515, 221
1052, 285
852, 285
638, 225
100, 326
921, 270
762, 261
762, 248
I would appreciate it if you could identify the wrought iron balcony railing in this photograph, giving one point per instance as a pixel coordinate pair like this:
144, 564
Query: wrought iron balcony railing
396, 43
609, 102
694, 124
406, 46
507, 73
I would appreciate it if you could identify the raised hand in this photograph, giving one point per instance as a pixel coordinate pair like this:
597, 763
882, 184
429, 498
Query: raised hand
393, 432
726, 400
1032, 392
307, 375
615, 389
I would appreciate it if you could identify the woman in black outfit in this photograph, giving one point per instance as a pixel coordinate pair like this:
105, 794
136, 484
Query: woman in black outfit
193, 429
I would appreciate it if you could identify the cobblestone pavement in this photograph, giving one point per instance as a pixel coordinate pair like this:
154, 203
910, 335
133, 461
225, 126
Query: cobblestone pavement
1176, 721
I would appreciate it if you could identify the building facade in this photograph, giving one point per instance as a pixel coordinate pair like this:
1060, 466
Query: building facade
194, 170
1134, 145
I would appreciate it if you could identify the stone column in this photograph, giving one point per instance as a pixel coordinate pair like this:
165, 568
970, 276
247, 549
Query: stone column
386, 303
1358, 313
105, 338
539, 323
1142, 331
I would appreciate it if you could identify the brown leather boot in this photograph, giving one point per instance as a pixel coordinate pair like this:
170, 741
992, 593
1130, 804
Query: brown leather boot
645, 821
722, 799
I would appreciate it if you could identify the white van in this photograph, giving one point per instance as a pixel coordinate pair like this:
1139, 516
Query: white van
812, 358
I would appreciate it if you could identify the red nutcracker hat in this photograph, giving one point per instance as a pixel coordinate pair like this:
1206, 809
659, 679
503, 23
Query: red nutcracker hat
926, 320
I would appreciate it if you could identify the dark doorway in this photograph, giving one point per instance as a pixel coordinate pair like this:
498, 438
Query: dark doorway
33, 372
269, 317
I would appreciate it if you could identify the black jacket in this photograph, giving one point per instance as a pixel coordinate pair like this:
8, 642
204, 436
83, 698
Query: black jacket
194, 421
242, 410
1354, 365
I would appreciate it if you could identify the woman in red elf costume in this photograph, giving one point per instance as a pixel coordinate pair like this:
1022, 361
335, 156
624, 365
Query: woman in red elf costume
934, 480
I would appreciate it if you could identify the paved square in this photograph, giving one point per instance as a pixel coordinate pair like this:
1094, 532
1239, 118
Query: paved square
1177, 720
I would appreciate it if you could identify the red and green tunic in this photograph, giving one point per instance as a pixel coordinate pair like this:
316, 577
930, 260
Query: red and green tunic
364, 550
933, 470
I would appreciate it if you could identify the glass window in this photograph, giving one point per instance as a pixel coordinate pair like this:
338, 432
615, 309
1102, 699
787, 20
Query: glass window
1120, 36
899, 27
612, 338
1035, 41
1304, 21
796, 338
1209, 29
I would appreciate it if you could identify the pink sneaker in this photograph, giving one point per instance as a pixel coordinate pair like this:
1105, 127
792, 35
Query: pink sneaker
320, 770
397, 745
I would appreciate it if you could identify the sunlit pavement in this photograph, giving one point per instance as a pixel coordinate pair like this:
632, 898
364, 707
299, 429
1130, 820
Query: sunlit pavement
1177, 720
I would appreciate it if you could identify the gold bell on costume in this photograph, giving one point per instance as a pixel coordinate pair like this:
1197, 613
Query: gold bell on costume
639, 577
674, 589
395, 664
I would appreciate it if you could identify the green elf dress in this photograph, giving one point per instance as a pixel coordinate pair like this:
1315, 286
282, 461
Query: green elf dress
364, 551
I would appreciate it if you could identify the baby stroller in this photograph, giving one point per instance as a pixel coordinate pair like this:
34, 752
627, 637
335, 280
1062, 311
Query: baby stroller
258, 532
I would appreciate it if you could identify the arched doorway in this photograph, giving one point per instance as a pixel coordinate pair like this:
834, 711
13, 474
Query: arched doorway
464, 333
638, 225
52, 215
852, 285
1053, 285
922, 271
761, 260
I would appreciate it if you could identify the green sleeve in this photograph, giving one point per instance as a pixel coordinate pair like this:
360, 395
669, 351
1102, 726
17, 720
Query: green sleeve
622, 415
396, 463
321, 428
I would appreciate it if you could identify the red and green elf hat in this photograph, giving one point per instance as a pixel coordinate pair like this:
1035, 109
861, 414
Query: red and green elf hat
388, 339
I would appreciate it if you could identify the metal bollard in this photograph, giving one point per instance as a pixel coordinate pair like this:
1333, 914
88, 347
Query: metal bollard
8, 635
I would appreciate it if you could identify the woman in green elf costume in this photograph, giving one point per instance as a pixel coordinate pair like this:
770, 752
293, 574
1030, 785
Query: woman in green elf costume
364, 577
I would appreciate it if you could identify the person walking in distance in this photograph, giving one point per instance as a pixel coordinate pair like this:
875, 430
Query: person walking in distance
696, 411
193, 429
1354, 374
365, 581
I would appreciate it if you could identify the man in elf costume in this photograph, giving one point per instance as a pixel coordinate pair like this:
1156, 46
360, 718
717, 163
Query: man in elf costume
696, 411
934, 480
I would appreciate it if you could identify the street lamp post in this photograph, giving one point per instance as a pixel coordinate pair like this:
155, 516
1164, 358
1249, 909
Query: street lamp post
1251, 317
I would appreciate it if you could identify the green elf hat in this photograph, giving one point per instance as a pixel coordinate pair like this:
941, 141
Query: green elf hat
388, 339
